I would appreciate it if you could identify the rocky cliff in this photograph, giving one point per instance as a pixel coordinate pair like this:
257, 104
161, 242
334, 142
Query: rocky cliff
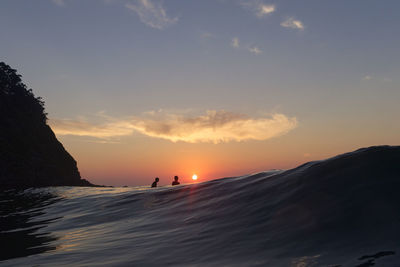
30, 154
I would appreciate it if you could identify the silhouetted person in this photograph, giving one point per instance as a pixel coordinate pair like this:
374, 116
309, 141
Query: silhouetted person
154, 184
175, 182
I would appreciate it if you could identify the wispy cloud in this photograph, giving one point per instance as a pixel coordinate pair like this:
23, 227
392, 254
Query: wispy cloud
58, 2
265, 9
81, 127
235, 42
152, 13
214, 127
255, 50
259, 8
293, 23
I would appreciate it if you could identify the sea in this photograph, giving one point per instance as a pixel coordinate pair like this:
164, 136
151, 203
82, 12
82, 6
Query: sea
342, 211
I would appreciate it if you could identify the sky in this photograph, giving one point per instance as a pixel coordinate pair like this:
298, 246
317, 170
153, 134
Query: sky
136, 89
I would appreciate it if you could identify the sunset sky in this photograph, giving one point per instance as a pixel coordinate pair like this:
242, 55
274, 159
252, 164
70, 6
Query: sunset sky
136, 89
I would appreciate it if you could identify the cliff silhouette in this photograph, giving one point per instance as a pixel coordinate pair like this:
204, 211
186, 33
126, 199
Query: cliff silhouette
30, 154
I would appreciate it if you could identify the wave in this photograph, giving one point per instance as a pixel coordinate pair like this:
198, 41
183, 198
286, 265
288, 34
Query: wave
343, 211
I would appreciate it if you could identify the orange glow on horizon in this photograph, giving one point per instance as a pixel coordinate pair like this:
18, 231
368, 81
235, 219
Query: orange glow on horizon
135, 163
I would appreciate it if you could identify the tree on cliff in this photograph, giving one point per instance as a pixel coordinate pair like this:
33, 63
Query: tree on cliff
30, 154
14, 93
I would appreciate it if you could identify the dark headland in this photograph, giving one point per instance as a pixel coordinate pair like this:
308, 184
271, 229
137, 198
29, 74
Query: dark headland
30, 154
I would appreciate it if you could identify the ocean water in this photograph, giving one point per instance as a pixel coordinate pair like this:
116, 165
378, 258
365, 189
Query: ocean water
343, 211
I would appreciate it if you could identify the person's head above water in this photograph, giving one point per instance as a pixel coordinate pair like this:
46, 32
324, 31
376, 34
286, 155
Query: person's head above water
154, 184
175, 181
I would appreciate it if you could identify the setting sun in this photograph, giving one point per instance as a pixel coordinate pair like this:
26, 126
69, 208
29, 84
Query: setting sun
194, 177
